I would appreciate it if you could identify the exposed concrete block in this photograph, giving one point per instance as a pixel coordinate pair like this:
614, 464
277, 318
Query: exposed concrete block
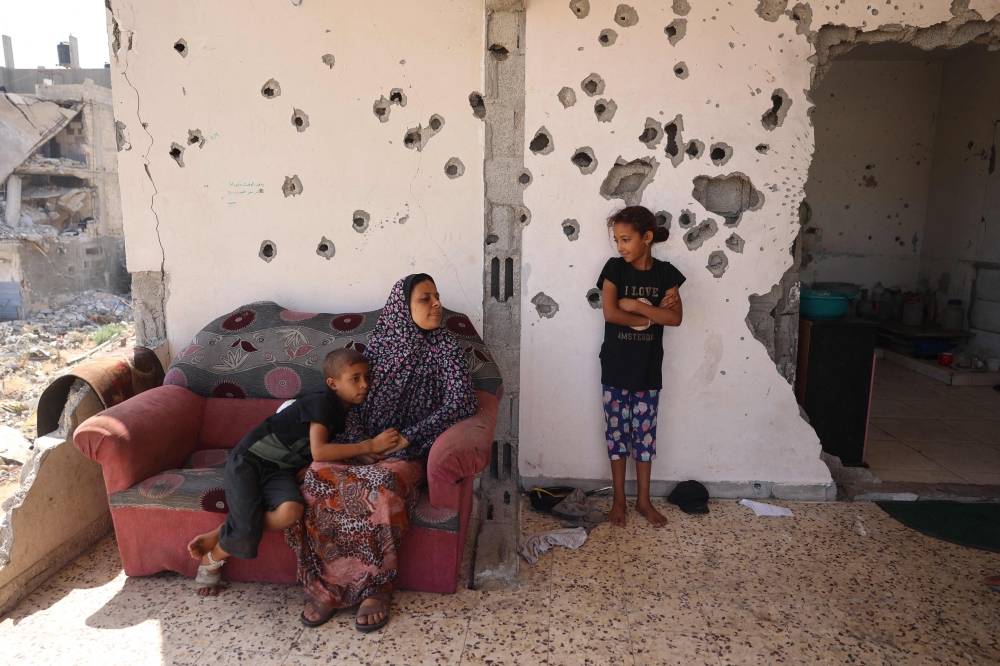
149, 298
500, 174
504, 28
496, 556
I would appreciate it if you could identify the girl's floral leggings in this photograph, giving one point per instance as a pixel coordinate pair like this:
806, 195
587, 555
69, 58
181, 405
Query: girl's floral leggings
630, 417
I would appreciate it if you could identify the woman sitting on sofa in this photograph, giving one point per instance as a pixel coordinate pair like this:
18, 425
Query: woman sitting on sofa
356, 514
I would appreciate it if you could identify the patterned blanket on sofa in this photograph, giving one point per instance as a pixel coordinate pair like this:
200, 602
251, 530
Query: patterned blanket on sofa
263, 350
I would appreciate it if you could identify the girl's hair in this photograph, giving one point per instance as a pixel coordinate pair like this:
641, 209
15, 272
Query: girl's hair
642, 220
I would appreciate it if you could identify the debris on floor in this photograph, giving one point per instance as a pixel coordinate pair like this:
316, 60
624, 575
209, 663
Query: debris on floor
765, 509
536, 544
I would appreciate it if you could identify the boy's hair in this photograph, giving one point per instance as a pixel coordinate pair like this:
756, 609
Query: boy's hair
642, 220
339, 360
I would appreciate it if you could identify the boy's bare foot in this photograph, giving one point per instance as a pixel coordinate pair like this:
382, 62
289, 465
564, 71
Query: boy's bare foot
655, 518
203, 544
209, 580
617, 514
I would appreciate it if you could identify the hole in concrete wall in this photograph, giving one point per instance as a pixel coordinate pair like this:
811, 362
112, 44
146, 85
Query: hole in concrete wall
121, 136
268, 251
300, 120
681, 70
542, 143
571, 228
524, 178
381, 108
605, 110
652, 133
508, 278
720, 153
177, 153
607, 37
271, 89
506, 493
181, 46
397, 97
627, 180
195, 136
360, 220
454, 168
545, 306
594, 298
681, 7
718, 262
499, 52
524, 216
802, 15
567, 97
676, 30
626, 16
774, 116
328, 60
663, 219
686, 219
478, 105
489, 512
491, 239
771, 10
435, 123
735, 243
412, 138
292, 187
495, 278
325, 248
581, 8
729, 196
672, 131
593, 85
697, 236
762, 148
585, 159
695, 149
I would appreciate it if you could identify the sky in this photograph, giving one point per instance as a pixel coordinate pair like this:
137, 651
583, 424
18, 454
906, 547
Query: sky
37, 26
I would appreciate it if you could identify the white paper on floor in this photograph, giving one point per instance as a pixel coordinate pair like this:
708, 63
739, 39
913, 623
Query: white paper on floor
764, 509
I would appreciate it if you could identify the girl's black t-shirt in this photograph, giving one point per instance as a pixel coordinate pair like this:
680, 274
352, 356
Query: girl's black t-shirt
632, 358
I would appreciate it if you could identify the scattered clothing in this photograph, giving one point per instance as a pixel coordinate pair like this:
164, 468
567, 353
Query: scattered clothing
765, 509
578, 510
537, 544
630, 420
690, 496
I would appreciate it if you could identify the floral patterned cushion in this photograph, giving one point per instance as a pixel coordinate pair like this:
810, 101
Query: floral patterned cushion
263, 350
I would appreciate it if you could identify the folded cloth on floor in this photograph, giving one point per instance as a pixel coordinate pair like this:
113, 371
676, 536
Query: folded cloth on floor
537, 544
578, 510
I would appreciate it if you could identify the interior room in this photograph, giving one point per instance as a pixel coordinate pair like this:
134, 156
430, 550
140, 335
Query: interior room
902, 230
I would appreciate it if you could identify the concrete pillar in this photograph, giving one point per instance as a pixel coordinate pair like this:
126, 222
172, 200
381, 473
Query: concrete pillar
13, 212
8, 53
74, 53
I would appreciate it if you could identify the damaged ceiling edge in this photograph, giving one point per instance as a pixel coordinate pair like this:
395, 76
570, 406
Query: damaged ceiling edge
26, 123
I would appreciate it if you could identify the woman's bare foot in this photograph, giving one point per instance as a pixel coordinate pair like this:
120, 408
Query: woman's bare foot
372, 618
317, 612
655, 518
617, 514
203, 544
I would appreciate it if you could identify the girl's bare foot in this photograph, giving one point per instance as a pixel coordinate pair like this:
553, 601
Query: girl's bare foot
655, 518
617, 514
203, 544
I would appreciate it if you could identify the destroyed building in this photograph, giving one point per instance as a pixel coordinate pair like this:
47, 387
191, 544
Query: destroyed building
60, 204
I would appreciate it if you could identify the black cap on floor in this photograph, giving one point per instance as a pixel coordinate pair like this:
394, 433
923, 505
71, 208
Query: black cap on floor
690, 496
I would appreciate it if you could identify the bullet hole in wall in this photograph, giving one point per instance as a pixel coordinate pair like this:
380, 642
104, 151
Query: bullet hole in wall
720, 153
802, 15
397, 97
735, 243
762, 148
292, 187
524, 178
651, 133
729, 196
686, 219
627, 180
607, 37
121, 136
605, 110
571, 228
593, 85
325, 248
675, 31
523, 216
454, 168
435, 123
195, 136
567, 97
328, 60
271, 89
381, 108
594, 298
499, 52
695, 149
580, 8
478, 105
626, 16
300, 120
491, 239
268, 251
681, 70
697, 236
585, 160
545, 306
360, 220
681, 7
718, 262
673, 133
663, 219
771, 10
542, 143
181, 46
412, 138
177, 153
775, 116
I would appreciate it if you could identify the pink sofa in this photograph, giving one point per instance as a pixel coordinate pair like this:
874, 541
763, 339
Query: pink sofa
163, 453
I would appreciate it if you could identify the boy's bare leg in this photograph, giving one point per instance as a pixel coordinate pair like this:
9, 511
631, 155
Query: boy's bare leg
618, 506
643, 504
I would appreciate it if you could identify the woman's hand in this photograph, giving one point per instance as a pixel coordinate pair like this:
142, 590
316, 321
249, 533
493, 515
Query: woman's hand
368, 459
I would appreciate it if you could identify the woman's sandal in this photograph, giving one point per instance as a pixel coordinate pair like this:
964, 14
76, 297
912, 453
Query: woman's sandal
310, 623
209, 575
384, 602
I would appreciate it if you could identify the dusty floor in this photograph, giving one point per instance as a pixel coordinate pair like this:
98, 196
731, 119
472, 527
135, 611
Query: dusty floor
838, 583
925, 431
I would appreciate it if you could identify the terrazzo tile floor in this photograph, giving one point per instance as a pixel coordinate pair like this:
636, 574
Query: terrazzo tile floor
837, 583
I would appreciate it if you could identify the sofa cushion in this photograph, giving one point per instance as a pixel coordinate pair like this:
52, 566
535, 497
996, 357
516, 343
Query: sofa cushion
207, 459
227, 421
263, 350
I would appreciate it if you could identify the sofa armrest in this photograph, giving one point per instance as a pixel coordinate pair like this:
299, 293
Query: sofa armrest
461, 451
151, 432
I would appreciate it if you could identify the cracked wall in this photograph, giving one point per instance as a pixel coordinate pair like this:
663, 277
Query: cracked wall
203, 225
